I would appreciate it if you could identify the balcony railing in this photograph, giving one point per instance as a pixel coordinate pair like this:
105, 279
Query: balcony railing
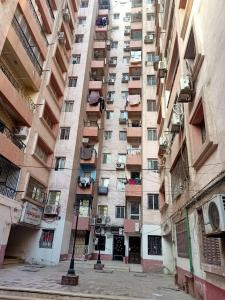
10, 135
37, 20
134, 151
29, 48
91, 124
17, 85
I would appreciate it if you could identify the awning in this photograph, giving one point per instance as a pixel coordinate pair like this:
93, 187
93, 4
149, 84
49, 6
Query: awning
134, 99
93, 97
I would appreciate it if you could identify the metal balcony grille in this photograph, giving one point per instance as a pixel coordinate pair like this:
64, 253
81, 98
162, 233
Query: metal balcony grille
10, 135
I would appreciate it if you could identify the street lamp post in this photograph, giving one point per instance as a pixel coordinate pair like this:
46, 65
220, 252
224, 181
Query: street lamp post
99, 265
71, 278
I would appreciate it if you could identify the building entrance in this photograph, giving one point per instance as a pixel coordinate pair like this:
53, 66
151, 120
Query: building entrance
118, 247
134, 256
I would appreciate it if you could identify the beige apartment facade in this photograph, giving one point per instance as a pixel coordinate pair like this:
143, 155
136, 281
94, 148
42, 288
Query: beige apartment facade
191, 148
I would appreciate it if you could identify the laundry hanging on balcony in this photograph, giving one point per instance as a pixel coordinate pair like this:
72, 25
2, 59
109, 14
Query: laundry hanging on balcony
134, 99
94, 98
101, 21
84, 182
86, 153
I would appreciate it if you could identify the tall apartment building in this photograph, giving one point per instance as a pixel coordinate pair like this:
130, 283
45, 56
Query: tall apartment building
90, 159
191, 144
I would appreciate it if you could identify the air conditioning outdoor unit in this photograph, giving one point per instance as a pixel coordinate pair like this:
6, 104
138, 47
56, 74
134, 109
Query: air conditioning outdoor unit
21, 132
66, 15
162, 67
186, 89
51, 209
100, 220
85, 141
214, 215
61, 37
120, 166
149, 39
176, 122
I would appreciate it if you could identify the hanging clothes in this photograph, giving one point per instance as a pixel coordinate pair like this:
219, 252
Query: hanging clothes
94, 98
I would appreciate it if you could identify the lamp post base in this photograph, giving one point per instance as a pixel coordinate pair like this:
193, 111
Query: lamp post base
98, 266
69, 280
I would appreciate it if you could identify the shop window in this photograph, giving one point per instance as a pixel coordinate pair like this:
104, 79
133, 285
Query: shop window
182, 239
46, 240
154, 245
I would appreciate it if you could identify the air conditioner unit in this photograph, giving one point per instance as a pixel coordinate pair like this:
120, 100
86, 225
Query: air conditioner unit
61, 37
100, 220
166, 228
176, 122
120, 166
92, 221
163, 143
186, 89
149, 39
85, 141
66, 15
162, 67
214, 215
51, 209
21, 132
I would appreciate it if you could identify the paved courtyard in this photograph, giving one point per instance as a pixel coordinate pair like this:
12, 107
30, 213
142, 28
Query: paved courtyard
116, 279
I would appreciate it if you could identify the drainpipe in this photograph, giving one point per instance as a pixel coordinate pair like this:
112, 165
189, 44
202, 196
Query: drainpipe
189, 242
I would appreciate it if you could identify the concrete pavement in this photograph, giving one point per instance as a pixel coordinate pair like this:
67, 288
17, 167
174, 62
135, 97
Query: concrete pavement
116, 281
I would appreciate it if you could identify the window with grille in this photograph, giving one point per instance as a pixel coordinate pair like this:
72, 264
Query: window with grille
120, 212
64, 133
107, 158
122, 135
182, 239
151, 80
152, 134
79, 38
36, 191
179, 174
210, 246
151, 105
108, 135
54, 197
46, 240
60, 163
152, 164
72, 81
153, 201
68, 106
154, 245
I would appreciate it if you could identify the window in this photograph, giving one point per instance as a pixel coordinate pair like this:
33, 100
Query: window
46, 240
54, 197
116, 16
76, 59
127, 15
151, 80
153, 201
72, 81
122, 135
120, 212
152, 134
41, 152
68, 106
182, 239
151, 105
79, 38
126, 60
154, 245
103, 210
198, 124
108, 135
81, 20
136, 35
36, 191
112, 76
84, 208
101, 243
111, 95
124, 94
191, 52
107, 158
150, 16
134, 210
109, 115
114, 44
64, 133
84, 3
114, 28
105, 182
152, 164
150, 1
121, 184
60, 163
150, 56
121, 158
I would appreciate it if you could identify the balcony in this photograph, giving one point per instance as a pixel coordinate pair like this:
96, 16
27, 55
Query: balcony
95, 83
93, 111
134, 134
104, 4
101, 33
83, 223
103, 12
133, 107
134, 160
136, 26
47, 14
133, 190
99, 45
91, 131
135, 45
15, 97
12, 147
85, 187
98, 65
88, 157
131, 226
135, 83
9, 178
